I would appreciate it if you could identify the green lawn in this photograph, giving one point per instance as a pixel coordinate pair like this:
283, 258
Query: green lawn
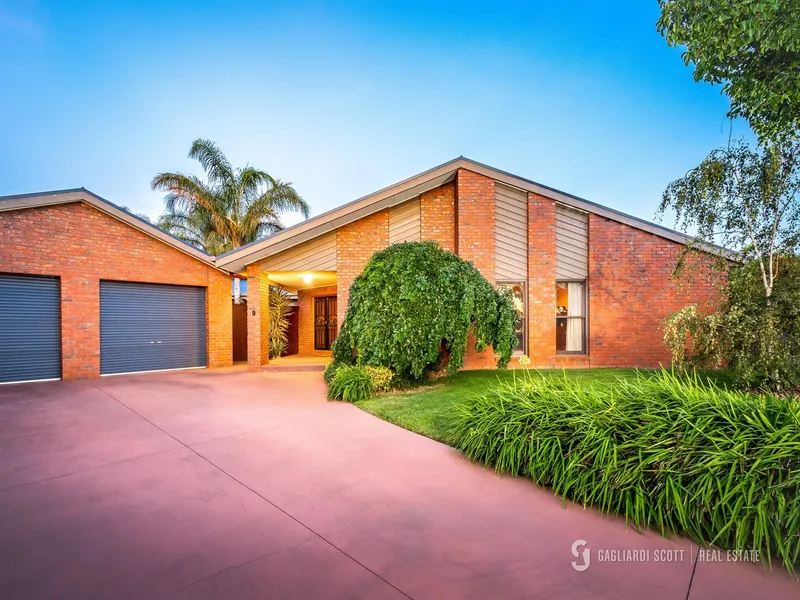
429, 409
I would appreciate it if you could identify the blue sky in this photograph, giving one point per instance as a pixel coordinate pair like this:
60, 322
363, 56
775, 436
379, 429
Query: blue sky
345, 98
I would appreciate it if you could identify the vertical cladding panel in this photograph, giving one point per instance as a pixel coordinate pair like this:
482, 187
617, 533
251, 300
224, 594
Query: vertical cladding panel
404, 222
572, 243
511, 234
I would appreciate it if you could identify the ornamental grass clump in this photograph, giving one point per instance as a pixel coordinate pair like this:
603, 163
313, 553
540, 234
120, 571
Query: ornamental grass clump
668, 452
351, 384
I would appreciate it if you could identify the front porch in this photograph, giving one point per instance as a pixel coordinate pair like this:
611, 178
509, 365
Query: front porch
313, 324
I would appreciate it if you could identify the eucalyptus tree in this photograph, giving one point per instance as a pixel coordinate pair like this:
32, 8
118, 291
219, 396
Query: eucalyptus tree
232, 207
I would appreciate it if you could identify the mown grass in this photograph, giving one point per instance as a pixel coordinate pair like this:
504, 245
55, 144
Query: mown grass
431, 409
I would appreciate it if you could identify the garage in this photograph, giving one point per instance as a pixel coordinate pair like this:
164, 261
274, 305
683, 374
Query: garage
30, 328
151, 327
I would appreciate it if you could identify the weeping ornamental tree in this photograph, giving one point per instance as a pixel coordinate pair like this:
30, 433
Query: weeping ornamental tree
415, 300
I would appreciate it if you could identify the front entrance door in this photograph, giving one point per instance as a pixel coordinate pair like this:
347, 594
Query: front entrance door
325, 322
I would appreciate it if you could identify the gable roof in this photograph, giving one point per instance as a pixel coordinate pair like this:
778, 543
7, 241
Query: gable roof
237, 260
22, 201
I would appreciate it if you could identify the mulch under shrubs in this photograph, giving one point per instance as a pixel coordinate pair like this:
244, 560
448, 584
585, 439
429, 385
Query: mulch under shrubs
668, 452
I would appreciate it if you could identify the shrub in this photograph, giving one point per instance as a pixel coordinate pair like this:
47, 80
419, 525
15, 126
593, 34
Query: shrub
756, 336
381, 378
667, 452
414, 300
351, 384
330, 371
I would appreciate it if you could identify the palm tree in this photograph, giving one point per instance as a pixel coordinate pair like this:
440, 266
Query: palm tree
232, 208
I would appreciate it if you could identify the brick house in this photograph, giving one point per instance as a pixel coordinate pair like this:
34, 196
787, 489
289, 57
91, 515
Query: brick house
592, 284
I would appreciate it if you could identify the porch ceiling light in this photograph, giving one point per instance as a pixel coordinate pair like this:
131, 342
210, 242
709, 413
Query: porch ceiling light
307, 278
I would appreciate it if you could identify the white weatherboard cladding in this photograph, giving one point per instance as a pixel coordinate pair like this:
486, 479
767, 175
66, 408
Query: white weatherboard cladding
511, 233
318, 254
404, 222
572, 243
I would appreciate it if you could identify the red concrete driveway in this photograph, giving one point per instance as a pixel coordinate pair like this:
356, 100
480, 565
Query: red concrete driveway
228, 484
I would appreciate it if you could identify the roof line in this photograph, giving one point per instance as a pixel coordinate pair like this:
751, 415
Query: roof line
583, 200
340, 207
65, 196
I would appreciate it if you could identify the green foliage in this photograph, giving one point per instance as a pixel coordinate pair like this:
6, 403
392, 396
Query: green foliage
330, 371
381, 378
351, 384
744, 198
752, 47
415, 299
279, 310
758, 337
430, 409
669, 453
233, 207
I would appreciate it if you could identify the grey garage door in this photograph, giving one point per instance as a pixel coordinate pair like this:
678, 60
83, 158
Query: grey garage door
30, 328
151, 327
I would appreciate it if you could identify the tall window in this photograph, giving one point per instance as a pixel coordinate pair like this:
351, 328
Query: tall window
571, 317
518, 293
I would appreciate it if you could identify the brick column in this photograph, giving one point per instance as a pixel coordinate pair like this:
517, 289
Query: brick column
257, 317
437, 216
355, 244
541, 280
475, 221
475, 242
219, 316
80, 327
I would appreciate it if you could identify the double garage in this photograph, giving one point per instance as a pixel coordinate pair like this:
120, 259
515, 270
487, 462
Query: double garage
143, 327
87, 290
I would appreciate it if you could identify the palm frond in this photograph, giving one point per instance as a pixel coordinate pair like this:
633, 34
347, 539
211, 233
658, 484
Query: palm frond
232, 208
214, 162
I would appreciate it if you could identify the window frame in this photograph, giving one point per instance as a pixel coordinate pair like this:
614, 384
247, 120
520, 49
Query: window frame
584, 318
524, 285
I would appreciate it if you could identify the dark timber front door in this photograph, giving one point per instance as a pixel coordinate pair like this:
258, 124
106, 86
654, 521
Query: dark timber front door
324, 322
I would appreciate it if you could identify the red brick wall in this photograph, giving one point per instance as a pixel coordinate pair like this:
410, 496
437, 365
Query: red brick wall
475, 242
305, 318
631, 291
437, 216
82, 245
475, 221
355, 244
541, 279
257, 317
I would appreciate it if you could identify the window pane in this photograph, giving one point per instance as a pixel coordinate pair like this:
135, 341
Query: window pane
570, 316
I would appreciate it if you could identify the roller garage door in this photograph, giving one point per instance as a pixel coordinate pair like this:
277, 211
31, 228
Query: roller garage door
151, 327
30, 328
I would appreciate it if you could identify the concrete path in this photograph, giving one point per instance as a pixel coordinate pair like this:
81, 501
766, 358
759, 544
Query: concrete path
229, 484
